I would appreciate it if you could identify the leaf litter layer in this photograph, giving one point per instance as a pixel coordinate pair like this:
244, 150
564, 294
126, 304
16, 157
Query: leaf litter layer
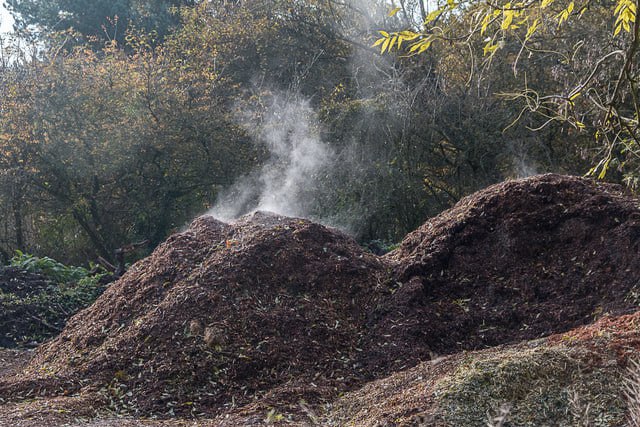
241, 321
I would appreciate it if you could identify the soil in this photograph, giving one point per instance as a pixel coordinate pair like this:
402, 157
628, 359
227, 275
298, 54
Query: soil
269, 319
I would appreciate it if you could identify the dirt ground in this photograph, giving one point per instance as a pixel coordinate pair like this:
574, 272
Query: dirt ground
218, 316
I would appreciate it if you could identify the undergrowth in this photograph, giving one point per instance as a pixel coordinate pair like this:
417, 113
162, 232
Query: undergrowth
39, 294
51, 269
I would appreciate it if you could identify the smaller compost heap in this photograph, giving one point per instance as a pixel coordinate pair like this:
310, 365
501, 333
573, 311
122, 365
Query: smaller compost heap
515, 261
218, 314
21, 299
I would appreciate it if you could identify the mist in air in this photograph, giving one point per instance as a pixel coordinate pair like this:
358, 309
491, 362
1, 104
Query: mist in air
297, 159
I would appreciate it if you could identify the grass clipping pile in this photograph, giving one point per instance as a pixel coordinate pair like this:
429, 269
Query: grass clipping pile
218, 315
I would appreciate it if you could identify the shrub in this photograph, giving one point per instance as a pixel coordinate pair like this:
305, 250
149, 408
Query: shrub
38, 295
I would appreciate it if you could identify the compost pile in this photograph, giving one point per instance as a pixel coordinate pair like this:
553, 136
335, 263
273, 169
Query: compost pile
22, 304
219, 314
275, 309
516, 261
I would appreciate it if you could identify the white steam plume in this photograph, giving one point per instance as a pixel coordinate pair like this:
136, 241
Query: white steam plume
523, 165
285, 184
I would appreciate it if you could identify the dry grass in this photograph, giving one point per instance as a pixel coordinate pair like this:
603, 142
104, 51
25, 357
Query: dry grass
538, 384
632, 393
541, 385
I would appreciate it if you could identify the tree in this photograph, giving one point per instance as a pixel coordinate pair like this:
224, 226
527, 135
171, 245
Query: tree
97, 20
115, 147
590, 47
104, 146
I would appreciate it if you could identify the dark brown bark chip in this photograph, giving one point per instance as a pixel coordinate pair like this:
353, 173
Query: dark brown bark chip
516, 261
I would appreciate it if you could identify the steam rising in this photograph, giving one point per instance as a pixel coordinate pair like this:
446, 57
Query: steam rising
286, 183
523, 165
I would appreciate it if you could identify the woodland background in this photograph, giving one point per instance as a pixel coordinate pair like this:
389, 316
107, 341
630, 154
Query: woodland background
122, 121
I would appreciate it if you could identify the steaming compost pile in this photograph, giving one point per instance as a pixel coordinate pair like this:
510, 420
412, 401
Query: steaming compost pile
218, 314
516, 261
269, 310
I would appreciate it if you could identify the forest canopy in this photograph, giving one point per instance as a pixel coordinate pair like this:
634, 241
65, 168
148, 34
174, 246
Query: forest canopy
98, 20
109, 140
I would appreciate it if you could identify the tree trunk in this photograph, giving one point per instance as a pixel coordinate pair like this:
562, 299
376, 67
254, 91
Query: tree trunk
18, 222
97, 240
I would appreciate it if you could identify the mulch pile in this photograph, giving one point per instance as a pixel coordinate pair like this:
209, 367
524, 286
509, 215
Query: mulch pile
219, 314
516, 261
268, 310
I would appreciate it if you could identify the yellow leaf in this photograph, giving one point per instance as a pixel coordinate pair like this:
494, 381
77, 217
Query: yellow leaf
618, 28
532, 29
384, 34
605, 169
393, 11
489, 48
574, 96
385, 45
485, 22
562, 16
507, 17
425, 46
421, 46
409, 35
415, 47
379, 41
546, 3
433, 15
